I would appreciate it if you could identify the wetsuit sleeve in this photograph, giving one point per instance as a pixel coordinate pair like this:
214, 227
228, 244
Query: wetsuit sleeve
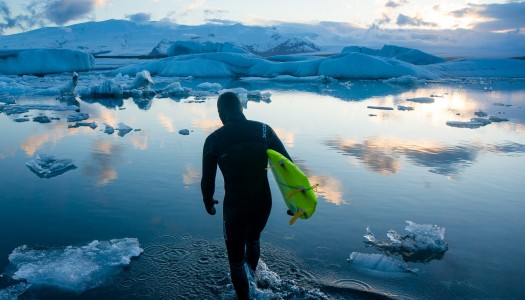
275, 143
209, 168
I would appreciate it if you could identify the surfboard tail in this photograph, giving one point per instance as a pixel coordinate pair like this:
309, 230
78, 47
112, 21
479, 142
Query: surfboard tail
297, 215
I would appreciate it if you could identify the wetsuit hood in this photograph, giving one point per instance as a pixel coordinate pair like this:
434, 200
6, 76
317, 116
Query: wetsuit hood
230, 108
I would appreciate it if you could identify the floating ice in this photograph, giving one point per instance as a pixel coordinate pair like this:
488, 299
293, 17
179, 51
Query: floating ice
20, 120
403, 80
73, 268
481, 113
42, 119
107, 89
184, 132
380, 107
214, 87
413, 56
465, 124
47, 166
123, 129
12, 292
481, 120
404, 108
378, 262
142, 81
91, 125
498, 119
421, 100
76, 117
21, 109
109, 129
423, 243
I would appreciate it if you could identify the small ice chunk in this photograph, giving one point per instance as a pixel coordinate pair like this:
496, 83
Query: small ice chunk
464, 124
214, 87
380, 107
184, 132
47, 166
91, 125
403, 80
378, 262
108, 129
498, 119
421, 100
142, 81
42, 119
20, 120
481, 113
76, 117
404, 108
423, 242
484, 121
7, 99
123, 129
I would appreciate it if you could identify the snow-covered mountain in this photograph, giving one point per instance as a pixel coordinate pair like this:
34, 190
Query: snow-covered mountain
126, 38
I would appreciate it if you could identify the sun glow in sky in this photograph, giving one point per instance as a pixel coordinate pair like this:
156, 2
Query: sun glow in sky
490, 15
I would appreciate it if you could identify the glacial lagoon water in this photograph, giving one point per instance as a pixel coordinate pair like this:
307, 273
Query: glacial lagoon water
377, 169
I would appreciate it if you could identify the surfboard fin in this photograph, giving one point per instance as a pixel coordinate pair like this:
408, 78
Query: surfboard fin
297, 215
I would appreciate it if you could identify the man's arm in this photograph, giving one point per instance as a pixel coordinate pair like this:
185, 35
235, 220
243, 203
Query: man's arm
275, 143
209, 171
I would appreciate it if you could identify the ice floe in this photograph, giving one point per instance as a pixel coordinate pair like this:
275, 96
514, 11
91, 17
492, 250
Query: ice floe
77, 117
184, 132
74, 268
421, 100
42, 119
12, 292
47, 166
123, 129
404, 108
380, 107
378, 262
108, 129
412, 56
423, 242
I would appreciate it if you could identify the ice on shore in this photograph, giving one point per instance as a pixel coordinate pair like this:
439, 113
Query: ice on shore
423, 242
75, 268
44, 61
47, 166
12, 292
379, 263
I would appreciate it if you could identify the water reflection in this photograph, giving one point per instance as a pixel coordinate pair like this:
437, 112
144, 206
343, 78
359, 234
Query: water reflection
102, 160
166, 122
191, 175
330, 188
382, 155
33, 142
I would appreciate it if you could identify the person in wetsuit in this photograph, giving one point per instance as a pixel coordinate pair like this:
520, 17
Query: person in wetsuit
239, 149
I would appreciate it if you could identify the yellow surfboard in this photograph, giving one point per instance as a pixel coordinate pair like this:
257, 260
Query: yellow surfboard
294, 185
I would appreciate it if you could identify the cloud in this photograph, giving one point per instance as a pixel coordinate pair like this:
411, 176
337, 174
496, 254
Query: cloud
494, 17
63, 11
139, 17
404, 20
394, 4
23, 21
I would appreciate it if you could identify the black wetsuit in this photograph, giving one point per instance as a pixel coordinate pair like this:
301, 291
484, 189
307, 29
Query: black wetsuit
239, 149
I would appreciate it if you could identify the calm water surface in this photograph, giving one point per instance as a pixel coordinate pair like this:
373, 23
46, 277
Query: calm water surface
376, 168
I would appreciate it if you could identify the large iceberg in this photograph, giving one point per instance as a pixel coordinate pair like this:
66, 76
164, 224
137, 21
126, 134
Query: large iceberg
346, 66
193, 47
44, 61
412, 56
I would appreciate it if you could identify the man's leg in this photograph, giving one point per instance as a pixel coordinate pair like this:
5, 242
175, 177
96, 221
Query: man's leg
253, 246
234, 235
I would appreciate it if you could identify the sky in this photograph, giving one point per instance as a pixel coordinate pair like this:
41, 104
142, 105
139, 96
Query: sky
488, 16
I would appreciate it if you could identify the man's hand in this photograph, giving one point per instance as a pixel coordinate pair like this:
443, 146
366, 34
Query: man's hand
210, 206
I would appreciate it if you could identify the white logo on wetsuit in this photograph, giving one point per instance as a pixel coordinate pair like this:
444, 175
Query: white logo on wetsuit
264, 131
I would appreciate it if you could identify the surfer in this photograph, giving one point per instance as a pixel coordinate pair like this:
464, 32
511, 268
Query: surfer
239, 149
